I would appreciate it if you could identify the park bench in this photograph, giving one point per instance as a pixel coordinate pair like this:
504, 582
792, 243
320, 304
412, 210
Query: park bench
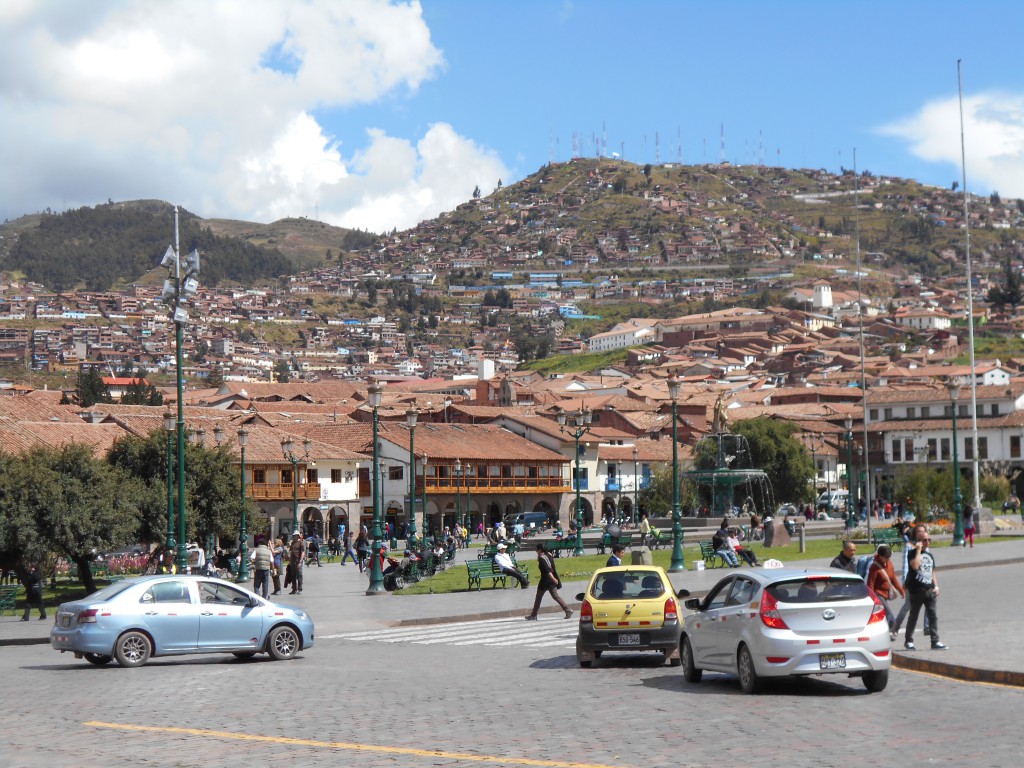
556, 548
8, 593
710, 557
479, 570
490, 550
625, 539
888, 536
656, 539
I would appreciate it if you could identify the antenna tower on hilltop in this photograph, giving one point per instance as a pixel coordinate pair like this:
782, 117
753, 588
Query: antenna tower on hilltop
722, 127
679, 145
657, 148
760, 138
574, 145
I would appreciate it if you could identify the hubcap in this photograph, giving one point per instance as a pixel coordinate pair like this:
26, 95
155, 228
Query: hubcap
285, 643
134, 648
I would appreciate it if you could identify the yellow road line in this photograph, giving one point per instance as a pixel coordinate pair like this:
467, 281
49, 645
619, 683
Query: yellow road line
347, 745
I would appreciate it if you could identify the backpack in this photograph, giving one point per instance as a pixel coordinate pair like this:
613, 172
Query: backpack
864, 565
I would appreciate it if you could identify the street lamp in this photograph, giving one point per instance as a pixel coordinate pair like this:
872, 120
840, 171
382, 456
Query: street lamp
169, 427
467, 520
457, 472
425, 528
180, 287
958, 501
579, 425
288, 448
410, 418
243, 548
636, 483
851, 497
375, 394
678, 563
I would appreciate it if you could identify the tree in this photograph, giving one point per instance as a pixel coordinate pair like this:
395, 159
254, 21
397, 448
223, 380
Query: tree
282, 371
994, 198
1010, 292
91, 389
215, 379
476, 192
782, 457
141, 392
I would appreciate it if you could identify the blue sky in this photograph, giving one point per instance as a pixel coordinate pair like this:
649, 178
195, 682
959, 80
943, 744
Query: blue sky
377, 115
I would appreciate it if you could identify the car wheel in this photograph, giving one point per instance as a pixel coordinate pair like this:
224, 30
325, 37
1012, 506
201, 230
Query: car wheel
749, 681
282, 643
98, 659
875, 682
243, 654
132, 649
690, 672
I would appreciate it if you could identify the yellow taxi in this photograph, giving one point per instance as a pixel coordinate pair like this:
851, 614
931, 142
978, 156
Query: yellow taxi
629, 608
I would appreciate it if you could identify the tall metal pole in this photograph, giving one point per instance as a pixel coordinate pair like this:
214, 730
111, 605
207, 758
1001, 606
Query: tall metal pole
678, 563
636, 483
851, 500
958, 501
376, 587
425, 527
580, 426
169, 427
243, 532
814, 473
182, 549
410, 416
457, 471
468, 519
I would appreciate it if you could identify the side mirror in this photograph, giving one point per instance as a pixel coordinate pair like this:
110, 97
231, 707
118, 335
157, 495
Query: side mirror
693, 603
254, 602
581, 596
683, 593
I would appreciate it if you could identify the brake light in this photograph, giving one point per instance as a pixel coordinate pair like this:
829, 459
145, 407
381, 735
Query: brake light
88, 616
878, 612
671, 610
586, 613
770, 615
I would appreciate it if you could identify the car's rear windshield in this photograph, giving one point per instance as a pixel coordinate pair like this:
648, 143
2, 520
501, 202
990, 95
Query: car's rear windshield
818, 590
628, 585
108, 592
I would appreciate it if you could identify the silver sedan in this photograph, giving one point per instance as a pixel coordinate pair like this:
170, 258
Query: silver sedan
780, 622
135, 619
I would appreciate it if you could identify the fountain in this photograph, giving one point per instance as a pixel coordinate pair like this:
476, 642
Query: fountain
723, 465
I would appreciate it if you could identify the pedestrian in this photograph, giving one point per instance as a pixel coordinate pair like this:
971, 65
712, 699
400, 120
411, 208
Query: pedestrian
922, 589
33, 583
347, 550
277, 549
882, 580
480, 530
313, 548
506, 566
616, 556
846, 560
548, 582
263, 563
362, 548
296, 556
969, 526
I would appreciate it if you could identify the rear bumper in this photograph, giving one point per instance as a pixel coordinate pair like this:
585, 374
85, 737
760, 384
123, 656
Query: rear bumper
859, 654
665, 638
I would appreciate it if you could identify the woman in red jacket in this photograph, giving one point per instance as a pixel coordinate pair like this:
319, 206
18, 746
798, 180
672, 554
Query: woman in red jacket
883, 582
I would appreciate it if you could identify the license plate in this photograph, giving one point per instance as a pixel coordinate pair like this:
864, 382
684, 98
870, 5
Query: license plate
629, 639
832, 660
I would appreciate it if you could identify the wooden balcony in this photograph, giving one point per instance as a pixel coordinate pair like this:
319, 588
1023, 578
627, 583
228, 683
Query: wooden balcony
282, 491
503, 485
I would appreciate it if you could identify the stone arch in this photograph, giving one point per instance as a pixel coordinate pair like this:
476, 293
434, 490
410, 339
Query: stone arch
609, 510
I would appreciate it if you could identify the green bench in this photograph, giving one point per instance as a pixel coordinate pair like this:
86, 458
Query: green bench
710, 557
556, 548
888, 536
8, 594
656, 539
625, 539
478, 570
490, 550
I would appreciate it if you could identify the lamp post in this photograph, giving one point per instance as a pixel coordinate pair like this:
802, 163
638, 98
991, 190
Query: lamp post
467, 473
243, 534
851, 498
169, 427
218, 438
678, 563
579, 425
812, 440
410, 418
288, 449
179, 287
457, 472
375, 394
425, 528
636, 483
958, 500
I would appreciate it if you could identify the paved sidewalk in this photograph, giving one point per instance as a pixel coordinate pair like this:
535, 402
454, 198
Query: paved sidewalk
980, 610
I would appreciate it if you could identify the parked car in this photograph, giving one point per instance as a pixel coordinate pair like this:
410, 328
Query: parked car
786, 621
629, 608
834, 500
169, 615
528, 519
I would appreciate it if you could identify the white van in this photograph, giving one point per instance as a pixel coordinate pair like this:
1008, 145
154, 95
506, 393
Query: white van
837, 500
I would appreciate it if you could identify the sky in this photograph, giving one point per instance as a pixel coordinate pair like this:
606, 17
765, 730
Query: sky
376, 115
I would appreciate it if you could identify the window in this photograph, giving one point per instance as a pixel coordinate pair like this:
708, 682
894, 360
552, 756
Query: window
897, 450
222, 594
995, 409
1014, 446
398, 473
982, 448
933, 447
717, 598
259, 475
286, 477
742, 592
911, 413
613, 471
888, 414
908, 449
167, 592
944, 448
968, 451
926, 412
312, 475
335, 475
873, 414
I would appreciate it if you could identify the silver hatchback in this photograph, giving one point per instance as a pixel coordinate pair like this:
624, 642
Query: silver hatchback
780, 622
169, 615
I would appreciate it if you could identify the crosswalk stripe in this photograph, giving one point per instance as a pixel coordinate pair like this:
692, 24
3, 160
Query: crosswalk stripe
489, 632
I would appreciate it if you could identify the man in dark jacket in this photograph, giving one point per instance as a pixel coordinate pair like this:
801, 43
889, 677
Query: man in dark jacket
548, 582
847, 559
33, 582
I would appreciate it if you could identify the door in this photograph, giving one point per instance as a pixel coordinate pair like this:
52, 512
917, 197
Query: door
733, 617
226, 619
705, 639
171, 617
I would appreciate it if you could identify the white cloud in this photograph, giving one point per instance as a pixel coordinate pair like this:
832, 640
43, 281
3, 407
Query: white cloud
212, 105
993, 138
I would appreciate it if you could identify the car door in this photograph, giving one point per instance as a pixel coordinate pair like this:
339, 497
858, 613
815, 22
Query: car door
704, 639
171, 616
733, 616
227, 620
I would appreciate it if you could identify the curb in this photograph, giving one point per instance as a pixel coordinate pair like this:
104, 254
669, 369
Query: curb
25, 641
957, 671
